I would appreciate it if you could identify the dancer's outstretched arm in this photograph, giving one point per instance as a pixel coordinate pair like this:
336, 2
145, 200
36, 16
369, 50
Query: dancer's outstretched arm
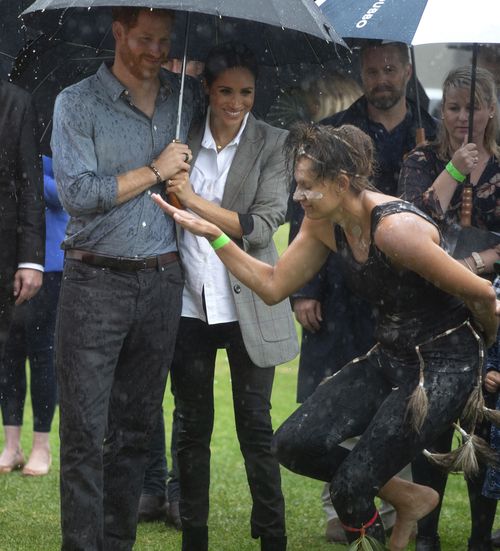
303, 258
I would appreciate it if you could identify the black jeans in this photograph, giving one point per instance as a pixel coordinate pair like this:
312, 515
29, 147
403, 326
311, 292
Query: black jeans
192, 377
156, 474
114, 343
369, 398
31, 336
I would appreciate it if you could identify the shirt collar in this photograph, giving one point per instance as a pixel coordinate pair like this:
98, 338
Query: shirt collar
208, 141
116, 89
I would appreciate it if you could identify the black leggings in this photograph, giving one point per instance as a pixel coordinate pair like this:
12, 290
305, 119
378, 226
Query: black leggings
31, 336
368, 397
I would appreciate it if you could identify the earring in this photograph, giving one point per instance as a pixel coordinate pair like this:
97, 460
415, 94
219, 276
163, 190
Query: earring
492, 115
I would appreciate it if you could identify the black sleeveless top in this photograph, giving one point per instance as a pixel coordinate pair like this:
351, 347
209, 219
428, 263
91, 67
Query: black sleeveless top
409, 309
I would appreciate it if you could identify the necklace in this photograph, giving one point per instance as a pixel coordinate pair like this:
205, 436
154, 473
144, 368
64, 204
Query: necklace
219, 147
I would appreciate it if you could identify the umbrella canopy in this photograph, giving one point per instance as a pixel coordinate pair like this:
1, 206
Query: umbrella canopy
415, 21
298, 15
46, 66
75, 41
12, 35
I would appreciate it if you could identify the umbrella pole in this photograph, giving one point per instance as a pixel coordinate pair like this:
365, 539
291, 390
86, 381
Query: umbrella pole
466, 208
172, 197
472, 90
420, 133
183, 78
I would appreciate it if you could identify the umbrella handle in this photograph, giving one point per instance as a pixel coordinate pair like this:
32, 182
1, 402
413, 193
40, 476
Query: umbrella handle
420, 136
174, 200
466, 208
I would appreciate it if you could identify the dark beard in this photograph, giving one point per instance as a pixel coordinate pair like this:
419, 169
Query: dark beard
384, 103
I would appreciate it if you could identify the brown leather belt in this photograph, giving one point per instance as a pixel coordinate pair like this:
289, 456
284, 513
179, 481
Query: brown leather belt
121, 263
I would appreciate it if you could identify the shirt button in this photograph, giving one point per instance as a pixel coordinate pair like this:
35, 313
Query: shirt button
237, 289
154, 126
144, 224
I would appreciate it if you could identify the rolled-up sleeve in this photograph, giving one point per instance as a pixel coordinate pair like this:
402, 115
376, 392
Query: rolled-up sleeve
269, 207
75, 162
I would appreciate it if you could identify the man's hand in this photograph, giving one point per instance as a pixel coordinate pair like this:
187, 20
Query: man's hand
27, 282
308, 313
492, 381
173, 159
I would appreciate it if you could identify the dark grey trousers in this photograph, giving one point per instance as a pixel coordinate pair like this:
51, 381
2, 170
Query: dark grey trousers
115, 338
193, 380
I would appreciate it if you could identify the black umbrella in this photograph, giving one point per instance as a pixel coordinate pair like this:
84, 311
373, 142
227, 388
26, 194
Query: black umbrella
46, 66
277, 30
75, 41
12, 34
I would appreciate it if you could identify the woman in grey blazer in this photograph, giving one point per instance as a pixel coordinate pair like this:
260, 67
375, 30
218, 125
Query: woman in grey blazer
237, 181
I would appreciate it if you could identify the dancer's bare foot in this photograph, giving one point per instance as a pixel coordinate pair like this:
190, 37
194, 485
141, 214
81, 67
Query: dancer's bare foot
40, 458
12, 457
10, 460
412, 502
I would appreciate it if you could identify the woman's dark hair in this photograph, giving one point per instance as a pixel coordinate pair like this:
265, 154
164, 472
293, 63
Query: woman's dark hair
227, 56
333, 151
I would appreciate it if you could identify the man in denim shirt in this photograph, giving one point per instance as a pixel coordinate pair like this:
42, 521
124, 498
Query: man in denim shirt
121, 293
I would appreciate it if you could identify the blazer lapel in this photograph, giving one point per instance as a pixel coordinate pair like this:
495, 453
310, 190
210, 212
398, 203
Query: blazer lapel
194, 140
248, 150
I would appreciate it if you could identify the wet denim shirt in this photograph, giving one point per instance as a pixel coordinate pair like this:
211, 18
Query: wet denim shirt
99, 134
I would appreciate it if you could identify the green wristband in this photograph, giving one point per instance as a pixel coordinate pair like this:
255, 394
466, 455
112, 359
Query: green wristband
218, 243
454, 172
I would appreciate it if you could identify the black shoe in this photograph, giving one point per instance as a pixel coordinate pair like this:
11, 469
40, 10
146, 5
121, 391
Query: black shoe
495, 538
428, 543
152, 508
172, 515
480, 546
195, 538
269, 543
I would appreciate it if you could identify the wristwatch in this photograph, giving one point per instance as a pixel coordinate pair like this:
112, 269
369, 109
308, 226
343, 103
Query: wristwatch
479, 262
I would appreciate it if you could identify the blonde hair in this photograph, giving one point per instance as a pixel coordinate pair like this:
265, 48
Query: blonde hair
330, 94
485, 96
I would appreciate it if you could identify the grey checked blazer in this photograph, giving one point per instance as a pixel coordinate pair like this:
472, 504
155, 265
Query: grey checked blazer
257, 184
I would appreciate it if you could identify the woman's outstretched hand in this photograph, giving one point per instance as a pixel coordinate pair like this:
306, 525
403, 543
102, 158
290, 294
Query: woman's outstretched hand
188, 221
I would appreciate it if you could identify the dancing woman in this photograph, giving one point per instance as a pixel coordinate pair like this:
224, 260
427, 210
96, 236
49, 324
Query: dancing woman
433, 315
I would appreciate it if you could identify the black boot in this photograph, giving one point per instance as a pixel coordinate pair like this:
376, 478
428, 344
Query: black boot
195, 538
428, 543
270, 543
484, 545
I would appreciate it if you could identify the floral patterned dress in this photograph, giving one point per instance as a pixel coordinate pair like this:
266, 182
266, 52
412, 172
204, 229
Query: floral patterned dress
423, 166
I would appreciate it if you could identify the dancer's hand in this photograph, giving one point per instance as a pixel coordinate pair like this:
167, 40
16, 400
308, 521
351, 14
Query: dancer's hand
189, 221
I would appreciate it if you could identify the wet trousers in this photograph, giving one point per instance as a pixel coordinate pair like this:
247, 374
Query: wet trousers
31, 336
193, 380
158, 479
369, 398
115, 338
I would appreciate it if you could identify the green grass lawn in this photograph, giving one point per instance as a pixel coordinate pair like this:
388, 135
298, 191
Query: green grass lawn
29, 508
